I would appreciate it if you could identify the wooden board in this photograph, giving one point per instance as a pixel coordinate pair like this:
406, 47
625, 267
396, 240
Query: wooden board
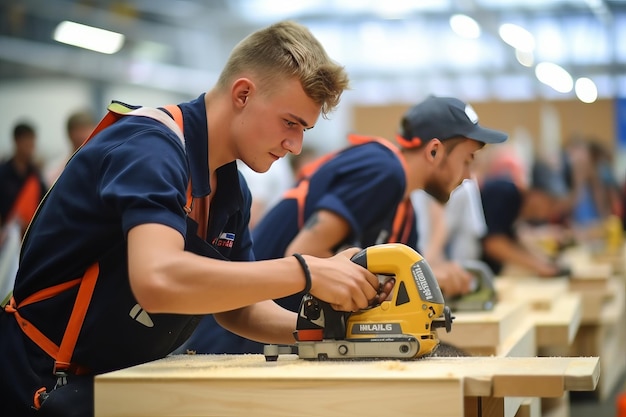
558, 325
605, 337
555, 311
247, 385
596, 300
539, 293
485, 332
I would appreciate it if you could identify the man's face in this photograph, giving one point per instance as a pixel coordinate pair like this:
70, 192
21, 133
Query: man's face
25, 147
452, 169
78, 135
272, 124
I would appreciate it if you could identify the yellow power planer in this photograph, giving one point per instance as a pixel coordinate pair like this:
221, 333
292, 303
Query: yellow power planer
401, 327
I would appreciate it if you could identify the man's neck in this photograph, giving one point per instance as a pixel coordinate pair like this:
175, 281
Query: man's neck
21, 165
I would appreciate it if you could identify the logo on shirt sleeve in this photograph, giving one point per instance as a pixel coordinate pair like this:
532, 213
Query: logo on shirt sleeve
225, 239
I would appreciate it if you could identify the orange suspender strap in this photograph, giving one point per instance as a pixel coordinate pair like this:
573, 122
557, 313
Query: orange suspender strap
408, 225
79, 311
300, 192
402, 223
31, 331
177, 115
403, 219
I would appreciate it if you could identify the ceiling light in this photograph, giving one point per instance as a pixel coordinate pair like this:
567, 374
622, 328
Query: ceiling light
88, 37
586, 90
517, 37
464, 26
527, 59
554, 76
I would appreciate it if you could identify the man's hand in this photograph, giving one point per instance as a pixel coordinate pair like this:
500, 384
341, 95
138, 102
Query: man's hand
547, 270
342, 283
453, 279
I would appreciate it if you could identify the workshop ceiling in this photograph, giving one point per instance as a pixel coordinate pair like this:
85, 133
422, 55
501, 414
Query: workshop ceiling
392, 49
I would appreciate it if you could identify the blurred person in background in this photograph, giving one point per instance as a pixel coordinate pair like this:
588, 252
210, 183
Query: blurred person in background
451, 231
78, 127
21, 184
596, 196
509, 204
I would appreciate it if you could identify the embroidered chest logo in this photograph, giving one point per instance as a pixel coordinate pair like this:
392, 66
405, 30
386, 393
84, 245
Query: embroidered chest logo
225, 239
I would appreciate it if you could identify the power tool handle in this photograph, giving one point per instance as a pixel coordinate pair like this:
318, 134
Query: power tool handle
360, 258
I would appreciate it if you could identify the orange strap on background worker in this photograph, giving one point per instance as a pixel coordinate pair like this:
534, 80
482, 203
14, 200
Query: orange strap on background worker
26, 202
403, 219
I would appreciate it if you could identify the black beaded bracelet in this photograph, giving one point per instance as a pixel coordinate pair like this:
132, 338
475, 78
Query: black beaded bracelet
307, 273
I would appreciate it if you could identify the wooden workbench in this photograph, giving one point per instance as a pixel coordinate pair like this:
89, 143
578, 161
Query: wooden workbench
531, 315
555, 311
602, 286
247, 385
506, 330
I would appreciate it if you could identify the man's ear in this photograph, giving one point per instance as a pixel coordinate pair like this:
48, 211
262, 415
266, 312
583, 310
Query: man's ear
433, 147
241, 91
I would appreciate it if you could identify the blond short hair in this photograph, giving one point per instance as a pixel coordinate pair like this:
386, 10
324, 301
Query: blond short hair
288, 49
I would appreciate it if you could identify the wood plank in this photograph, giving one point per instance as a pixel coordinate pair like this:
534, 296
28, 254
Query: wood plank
606, 338
278, 398
540, 293
558, 325
485, 331
238, 385
556, 312
521, 343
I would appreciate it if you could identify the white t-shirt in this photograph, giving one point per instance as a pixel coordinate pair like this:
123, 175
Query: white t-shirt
464, 217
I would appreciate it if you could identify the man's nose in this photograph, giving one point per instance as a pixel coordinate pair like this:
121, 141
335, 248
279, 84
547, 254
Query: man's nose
294, 144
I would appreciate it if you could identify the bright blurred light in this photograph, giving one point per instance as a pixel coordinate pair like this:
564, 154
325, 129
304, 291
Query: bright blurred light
88, 37
464, 26
554, 76
586, 90
517, 37
527, 59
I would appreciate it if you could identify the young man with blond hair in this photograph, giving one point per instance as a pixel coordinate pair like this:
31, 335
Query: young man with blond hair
119, 225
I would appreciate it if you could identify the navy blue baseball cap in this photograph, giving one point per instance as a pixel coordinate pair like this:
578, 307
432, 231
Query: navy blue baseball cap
443, 118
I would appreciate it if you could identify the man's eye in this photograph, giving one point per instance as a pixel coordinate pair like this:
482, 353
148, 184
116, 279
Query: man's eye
290, 123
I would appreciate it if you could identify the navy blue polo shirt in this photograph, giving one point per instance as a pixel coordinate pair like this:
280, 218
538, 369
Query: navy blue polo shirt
502, 202
363, 184
132, 173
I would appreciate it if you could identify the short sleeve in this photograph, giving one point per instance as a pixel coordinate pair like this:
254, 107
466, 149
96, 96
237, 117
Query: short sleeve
144, 180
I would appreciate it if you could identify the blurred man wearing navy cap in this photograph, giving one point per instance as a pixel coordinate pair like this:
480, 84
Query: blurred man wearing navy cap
359, 196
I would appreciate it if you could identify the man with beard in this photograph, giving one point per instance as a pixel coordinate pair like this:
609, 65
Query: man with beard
359, 196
